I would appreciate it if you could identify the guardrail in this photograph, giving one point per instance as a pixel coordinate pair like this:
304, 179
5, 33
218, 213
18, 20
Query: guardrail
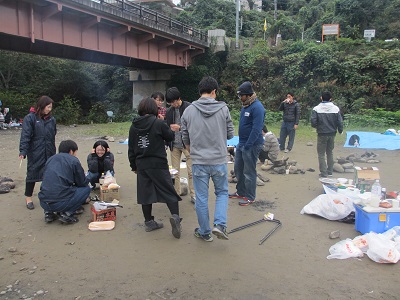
154, 17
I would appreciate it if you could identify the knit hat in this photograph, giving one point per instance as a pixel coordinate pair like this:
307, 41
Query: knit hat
245, 89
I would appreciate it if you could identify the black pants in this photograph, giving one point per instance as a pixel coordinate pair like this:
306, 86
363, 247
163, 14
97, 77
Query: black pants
146, 208
263, 156
29, 186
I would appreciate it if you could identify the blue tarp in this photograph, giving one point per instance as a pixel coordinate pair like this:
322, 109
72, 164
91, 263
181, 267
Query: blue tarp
374, 140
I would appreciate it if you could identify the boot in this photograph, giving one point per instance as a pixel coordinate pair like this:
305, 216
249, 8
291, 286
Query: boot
176, 225
152, 225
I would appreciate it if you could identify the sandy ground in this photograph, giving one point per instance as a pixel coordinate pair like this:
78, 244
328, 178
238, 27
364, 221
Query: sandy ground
55, 261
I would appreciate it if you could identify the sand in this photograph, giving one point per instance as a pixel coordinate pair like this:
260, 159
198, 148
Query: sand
55, 261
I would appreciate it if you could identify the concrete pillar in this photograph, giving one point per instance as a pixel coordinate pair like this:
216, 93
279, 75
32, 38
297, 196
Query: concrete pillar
146, 82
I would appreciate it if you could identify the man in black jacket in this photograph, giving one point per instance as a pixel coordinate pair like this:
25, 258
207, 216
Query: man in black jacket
173, 118
326, 118
291, 117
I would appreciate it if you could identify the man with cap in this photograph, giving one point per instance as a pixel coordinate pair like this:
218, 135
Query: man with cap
250, 144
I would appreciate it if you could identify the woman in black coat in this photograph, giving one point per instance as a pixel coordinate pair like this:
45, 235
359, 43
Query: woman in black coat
100, 160
37, 143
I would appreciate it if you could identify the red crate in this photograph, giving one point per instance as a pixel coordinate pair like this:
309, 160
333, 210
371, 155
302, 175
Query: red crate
109, 214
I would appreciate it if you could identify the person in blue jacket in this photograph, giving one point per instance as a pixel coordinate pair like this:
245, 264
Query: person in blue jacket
37, 143
250, 144
65, 187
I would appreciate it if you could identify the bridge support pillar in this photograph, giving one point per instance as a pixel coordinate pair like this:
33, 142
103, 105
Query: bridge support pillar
146, 82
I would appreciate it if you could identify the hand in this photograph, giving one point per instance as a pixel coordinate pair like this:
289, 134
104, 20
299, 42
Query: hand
108, 150
21, 156
175, 127
93, 151
295, 127
160, 117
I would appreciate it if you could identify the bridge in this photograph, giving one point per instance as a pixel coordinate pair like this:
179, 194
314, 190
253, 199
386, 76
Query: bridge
116, 32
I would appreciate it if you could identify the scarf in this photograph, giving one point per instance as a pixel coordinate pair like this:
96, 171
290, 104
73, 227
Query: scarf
249, 100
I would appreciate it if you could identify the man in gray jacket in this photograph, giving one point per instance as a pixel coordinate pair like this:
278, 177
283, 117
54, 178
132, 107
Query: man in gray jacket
206, 125
326, 118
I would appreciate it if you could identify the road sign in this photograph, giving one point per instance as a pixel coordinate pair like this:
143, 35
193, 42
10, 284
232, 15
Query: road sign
369, 33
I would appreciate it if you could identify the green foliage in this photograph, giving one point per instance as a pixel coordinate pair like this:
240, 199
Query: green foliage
67, 111
98, 113
18, 104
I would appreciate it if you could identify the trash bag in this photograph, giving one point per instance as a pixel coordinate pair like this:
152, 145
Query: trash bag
344, 249
333, 206
108, 179
381, 249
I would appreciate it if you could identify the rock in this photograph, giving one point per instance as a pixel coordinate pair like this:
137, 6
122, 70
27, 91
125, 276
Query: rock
4, 189
1, 257
2, 292
119, 152
266, 167
334, 234
311, 170
292, 163
260, 182
10, 184
373, 161
264, 179
40, 292
292, 170
5, 179
12, 249
342, 161
338, 168
349, 170
347, 166
310, 144
111, 139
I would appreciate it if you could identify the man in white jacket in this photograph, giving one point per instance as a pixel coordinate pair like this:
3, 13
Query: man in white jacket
206, 125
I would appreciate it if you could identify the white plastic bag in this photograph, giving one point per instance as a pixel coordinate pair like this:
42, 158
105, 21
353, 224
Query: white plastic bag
361, 242
332, 206
344, 249
108, 179
381, 249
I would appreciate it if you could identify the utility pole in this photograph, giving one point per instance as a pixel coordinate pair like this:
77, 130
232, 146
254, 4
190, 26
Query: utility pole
237, 23
275, 8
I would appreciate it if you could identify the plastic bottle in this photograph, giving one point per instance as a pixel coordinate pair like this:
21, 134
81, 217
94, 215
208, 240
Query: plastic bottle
101, 181
376, 194
383, 197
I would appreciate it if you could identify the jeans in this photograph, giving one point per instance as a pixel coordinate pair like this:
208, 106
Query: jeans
287, 129
245, 171
69, 206
201, 179
325, 145
176, 155
94, 177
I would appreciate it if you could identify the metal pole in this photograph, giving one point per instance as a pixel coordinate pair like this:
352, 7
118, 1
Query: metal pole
237, 23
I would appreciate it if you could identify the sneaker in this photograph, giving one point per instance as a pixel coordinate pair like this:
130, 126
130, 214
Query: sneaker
79, 211
220, 232
330, 175
152, 225
286, 150
245, 202
67, 218
49, 217
206, 237
193, 200
322, 175
235, 195
176, 226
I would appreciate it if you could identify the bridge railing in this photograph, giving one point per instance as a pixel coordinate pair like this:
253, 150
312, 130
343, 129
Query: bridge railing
155, 17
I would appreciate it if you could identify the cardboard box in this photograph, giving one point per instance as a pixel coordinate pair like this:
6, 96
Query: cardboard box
109, 214
109, 195
364, 177
378, 222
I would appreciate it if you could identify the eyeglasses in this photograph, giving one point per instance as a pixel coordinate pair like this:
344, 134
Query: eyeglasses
159, 100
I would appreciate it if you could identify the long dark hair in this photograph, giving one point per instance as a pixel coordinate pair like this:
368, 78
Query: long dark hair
41, 104
101, 143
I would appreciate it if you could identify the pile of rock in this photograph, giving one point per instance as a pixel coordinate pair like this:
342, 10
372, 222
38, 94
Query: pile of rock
6, 184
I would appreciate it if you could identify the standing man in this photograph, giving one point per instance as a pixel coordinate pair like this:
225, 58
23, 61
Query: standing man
250, 144
206, 125
326, 118
177, 147
291, 117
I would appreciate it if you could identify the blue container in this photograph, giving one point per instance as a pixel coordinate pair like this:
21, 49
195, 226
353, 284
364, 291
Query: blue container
378, 222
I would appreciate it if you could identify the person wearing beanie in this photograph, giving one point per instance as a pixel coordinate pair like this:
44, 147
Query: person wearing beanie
291, 117
250, 144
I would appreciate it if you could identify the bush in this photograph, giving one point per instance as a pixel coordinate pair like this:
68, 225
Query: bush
98, 113
67, 111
